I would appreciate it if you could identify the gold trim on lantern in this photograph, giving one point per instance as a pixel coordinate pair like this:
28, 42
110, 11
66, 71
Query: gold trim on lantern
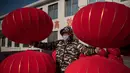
5, 63
102, 14
6, 20
82, 17
113, 19
87, 70
90, 12
14, 19
98, 70
123, 23
21, 16
38, 27
114, 16
19, 67
44, 63
29, 15
11, 65
28, 65
37, 65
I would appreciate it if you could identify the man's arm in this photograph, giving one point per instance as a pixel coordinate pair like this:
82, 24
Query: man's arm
86, 50
45, 46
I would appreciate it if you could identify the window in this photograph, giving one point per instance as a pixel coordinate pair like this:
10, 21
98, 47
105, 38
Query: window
0, 21
3, 41
0, 24
53, 11
16, 44
9, 43
92, 1
123, 0
53, 36
71, 7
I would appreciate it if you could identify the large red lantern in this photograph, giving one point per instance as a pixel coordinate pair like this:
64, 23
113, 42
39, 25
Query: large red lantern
96, 64
103, 24
27, 25
28, 62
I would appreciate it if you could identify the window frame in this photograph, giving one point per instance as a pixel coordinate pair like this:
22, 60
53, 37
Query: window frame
3, 42
53, 7
16, 45
123, 0
93, 2
73, 2
9, 44
51, 36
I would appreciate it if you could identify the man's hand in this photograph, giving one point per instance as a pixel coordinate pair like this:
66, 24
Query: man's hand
101, 51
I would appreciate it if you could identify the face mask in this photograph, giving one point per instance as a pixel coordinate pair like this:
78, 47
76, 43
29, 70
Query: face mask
65, 37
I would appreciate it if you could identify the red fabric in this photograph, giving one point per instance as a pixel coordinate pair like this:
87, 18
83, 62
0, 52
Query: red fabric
27, 25
28, 62
96, 64
114, 51
103, 24
54, 55
116, 58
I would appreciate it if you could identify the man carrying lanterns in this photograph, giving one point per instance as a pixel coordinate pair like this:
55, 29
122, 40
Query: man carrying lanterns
68, 49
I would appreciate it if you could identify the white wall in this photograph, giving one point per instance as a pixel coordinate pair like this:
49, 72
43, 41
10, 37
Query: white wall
127, 61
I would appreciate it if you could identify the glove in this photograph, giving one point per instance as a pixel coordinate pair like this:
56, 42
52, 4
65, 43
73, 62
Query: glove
101, 51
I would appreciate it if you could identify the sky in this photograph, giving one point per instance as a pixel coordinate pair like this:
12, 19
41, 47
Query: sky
7, 6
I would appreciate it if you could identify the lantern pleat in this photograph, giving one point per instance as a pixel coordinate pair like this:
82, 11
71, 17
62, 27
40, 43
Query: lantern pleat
28, 62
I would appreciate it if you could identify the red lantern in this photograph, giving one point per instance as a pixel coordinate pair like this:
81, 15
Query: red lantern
116, 58
96, 64
54, 55
114, 51
103, 24
28, 62
27, 25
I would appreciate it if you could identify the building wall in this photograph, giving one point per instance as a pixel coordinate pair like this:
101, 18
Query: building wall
61, 18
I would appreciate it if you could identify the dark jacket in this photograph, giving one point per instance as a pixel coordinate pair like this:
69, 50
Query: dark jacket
67, 52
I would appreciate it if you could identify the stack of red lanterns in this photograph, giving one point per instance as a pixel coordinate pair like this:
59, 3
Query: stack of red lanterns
104, 25
27, 25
